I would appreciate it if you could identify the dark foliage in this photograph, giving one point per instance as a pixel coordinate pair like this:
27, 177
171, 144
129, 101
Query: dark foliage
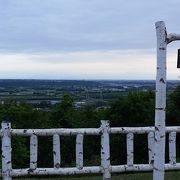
134, 109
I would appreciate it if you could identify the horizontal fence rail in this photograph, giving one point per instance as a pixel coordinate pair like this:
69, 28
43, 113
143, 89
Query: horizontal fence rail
51, 132
105, 168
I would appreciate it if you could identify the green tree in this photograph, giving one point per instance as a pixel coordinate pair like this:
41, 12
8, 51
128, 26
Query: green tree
135, 109
173, 107
63, 113
23, 116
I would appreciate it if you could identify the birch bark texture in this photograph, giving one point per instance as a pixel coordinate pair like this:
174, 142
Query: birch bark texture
160, 111
105, 150
33, 152
151, 147
130, 149
172, 148
79, 151
6, 150
56, 151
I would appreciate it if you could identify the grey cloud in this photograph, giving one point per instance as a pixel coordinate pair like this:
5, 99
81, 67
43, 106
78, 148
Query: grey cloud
82, 25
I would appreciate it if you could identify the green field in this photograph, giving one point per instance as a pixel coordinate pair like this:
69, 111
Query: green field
135, 176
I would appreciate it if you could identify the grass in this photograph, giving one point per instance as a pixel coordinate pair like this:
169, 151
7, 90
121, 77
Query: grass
134, 176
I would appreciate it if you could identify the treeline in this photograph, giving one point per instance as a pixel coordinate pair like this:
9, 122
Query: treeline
133, 109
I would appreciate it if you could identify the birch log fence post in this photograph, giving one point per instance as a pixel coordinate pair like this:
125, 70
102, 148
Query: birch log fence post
163, 39
56, 151
151, 147
79, 151
105, 150
130, 149
160, 111
33, 152
6, 150
172, 148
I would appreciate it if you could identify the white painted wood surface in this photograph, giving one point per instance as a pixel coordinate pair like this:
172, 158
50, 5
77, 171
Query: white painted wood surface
172, 148
79, 151
6, 150
105, 150
151, 147
160, 110
130, 149
56, 151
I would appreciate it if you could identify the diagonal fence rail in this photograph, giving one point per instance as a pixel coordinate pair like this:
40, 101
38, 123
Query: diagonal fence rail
105, 168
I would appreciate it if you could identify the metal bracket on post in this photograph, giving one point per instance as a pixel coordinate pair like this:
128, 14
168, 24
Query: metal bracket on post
6, 150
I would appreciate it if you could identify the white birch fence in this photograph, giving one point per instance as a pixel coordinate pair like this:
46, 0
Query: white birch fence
105, 168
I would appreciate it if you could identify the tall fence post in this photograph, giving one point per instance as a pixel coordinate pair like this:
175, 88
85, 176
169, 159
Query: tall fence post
160, 111
105, 150
6, 150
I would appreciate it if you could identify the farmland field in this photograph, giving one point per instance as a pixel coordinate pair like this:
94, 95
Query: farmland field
135, 176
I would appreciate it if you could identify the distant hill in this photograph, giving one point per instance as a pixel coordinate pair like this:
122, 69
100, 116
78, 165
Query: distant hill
30, 83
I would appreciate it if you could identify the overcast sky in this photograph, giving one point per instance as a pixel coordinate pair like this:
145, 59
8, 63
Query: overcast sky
84, 39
